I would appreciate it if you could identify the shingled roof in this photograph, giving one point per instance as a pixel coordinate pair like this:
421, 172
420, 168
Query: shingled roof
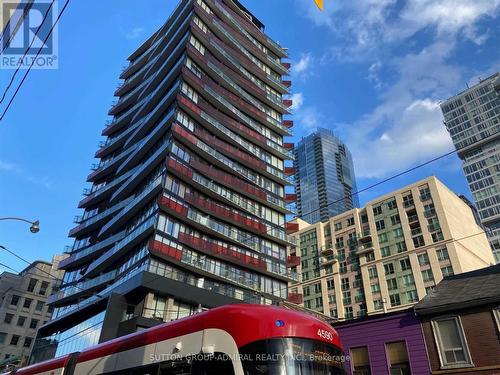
474, 288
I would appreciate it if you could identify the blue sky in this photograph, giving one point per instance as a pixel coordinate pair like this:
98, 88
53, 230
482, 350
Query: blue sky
372, 70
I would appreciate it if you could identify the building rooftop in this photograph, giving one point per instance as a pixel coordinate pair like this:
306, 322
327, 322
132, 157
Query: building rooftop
474, 288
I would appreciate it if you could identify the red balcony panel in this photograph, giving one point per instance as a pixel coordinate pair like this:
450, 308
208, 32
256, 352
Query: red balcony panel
227, 180
295, 298
288, 146
291, 227
288, 123
176, 128
171, 205
228, 121
286, 65
179, 167
286, 83
219, 250
230, 150
289, 198
165, 250
223, 212
188, 103
289, 171
287, 102
293, 261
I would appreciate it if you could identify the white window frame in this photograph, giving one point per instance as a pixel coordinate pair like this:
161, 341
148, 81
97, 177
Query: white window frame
496, 315
463, 339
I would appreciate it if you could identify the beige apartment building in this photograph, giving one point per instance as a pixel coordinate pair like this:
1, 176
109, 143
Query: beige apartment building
387, 255
23, 308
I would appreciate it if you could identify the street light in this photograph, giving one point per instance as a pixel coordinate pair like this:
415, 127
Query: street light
35, 225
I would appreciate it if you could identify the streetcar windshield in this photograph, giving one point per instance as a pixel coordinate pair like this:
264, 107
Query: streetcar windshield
292, 356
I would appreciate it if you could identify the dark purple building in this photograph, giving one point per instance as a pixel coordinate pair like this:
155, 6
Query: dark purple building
384, 344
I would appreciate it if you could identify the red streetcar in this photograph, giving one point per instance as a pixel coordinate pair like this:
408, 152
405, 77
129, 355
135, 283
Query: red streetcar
233, 339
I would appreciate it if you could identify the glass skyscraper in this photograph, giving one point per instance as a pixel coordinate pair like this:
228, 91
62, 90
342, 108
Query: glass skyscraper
473, 120
324, 177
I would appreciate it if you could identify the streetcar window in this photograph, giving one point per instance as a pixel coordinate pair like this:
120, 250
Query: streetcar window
216, 364
291, 356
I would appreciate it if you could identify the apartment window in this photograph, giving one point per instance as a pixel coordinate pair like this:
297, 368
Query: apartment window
437, 236
14, 300
360, 361
377, 210
3, 336
305, 276
429, 289
204, 6
14, 340
389, 268
21, 320
317, 288
391, 205
348, 313
398, 233
380, 224
8, 318
425, 194
189, 92
307, 304
350, 221
343, 267
370, 256
305, 263
196, 44
155, 307
405, 264
200, 24
330, 283
43, 288
375, 288
418, 241
345, 283
338, 226
306, 291
423, 259
408, 200
442, 254
398, 358
449, 335
34, 323
395, 299
27, 303
385, 251
333, 313
412, 296
346, 298
372, 272
382, 237
395, 220
392, 284
447, 271
303, 251
401, 246
27, 342
378, 304
319, 302
427, 275
408, 280
32, 285
39, 305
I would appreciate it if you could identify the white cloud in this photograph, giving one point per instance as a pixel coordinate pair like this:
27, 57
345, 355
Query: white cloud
410, 72
134, 33
298, 100
302, 68
13, 168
